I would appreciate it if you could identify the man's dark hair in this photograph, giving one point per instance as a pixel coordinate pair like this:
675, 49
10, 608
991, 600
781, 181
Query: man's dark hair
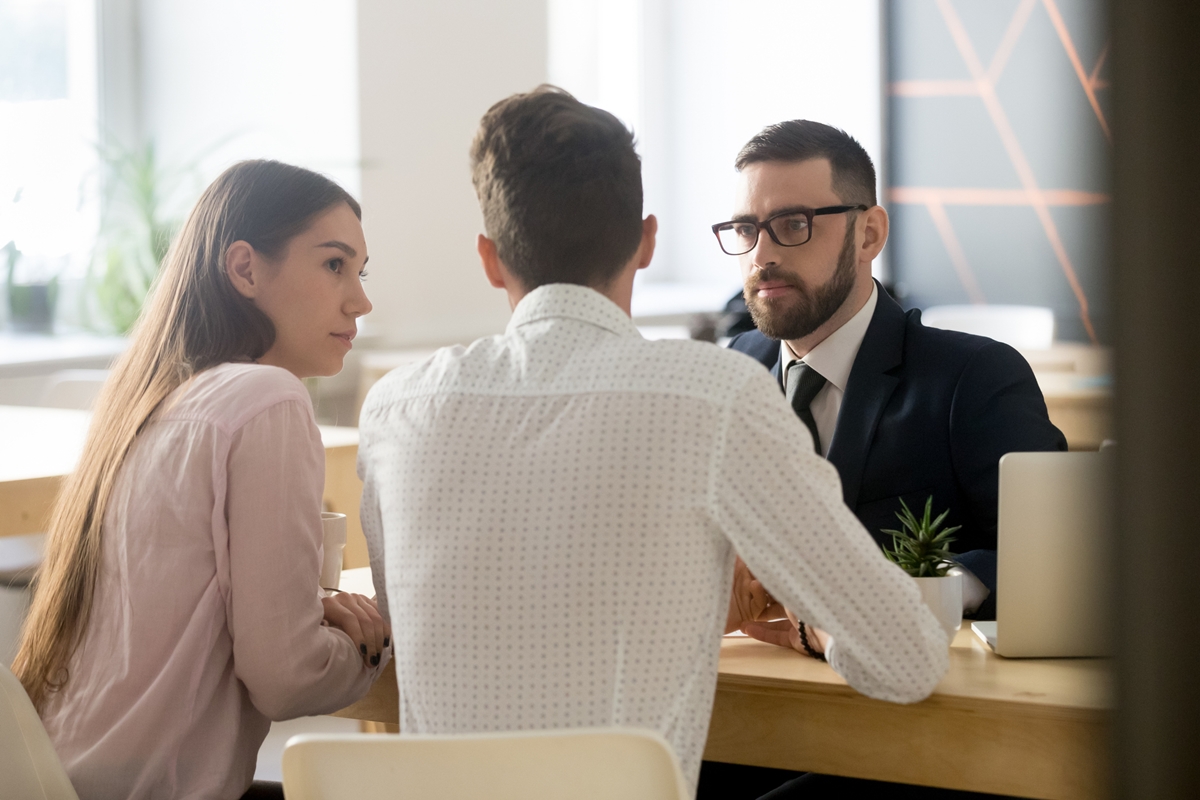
560, 186
803, 139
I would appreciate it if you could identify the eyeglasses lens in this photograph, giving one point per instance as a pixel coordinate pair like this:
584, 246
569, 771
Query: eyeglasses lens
737, 237
791, 229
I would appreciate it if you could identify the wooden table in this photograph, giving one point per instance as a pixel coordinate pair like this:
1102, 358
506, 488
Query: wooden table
1081, 406
1076, 380
39, 446
1025, 727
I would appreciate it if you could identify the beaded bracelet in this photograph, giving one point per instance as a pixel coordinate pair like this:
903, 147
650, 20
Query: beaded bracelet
808, 648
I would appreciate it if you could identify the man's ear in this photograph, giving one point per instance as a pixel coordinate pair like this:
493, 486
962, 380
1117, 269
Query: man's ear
875, 233
491, 261
240, 267
645, 252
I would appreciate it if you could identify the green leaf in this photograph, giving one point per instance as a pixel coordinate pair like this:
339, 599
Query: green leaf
920, 545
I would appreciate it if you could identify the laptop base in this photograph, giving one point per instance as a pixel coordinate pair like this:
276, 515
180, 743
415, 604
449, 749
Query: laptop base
986, 631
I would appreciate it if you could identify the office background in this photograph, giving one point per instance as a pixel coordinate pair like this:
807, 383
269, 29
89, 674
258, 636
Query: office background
998, 146
383, 95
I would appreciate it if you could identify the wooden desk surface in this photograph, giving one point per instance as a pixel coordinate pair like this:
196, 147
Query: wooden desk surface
1025, 727
976, 676
39, 446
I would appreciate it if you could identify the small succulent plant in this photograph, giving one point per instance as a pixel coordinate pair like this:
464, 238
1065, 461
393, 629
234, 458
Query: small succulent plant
919, 548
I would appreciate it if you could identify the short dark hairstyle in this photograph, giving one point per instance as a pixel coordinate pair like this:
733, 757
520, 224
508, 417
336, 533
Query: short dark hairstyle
560, 185
803, 139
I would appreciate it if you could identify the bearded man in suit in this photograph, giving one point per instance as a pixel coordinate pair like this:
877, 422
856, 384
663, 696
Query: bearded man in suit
904, 412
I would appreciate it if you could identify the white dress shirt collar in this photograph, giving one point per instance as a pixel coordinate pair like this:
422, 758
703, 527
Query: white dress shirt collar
558, 300
834, 357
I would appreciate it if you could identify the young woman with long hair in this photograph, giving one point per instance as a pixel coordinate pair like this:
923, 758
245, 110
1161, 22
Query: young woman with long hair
177, 612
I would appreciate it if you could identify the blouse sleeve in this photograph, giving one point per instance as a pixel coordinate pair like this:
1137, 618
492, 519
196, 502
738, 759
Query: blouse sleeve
290, 664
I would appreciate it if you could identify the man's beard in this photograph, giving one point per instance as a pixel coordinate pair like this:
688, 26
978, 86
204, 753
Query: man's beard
787, 319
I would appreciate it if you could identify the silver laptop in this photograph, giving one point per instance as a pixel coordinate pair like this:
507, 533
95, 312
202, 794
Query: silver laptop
1055, 539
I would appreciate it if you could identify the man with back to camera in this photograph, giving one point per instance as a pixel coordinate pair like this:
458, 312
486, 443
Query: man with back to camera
903, 411
553, 513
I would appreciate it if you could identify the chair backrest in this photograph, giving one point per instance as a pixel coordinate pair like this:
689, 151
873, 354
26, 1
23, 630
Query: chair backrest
1023, 327
28, 764
606, 764
20, 556
73, 388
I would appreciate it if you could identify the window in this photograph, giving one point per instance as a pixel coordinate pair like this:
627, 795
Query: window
48, 134
695, 79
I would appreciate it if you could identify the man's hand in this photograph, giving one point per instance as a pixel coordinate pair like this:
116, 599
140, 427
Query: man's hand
748, 601
359, 617
786, 633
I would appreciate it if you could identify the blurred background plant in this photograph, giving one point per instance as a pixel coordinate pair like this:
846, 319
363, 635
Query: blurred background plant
139, 217
31, 301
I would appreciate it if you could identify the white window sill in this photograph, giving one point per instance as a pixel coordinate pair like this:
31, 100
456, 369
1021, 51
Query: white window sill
28, 355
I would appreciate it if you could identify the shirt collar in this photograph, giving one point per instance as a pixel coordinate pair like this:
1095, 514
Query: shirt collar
834, 357
568, 300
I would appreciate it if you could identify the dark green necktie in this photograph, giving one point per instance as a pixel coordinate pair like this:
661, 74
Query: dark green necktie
803, 383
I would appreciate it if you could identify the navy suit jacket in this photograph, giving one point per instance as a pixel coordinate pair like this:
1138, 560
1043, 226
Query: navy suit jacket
929, 412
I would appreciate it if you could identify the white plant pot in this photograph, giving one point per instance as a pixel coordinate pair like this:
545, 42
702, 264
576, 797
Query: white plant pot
944, 598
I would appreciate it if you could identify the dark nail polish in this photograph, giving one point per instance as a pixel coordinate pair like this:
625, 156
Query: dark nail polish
375, 660
363, 648
387, 640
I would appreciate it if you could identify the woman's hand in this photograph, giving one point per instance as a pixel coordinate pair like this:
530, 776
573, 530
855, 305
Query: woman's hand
359, 617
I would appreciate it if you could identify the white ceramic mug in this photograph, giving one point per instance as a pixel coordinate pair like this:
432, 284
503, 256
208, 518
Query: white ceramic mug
333, 542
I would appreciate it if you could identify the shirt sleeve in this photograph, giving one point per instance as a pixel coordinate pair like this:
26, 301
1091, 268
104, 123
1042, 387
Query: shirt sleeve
780, 504
290, 664
372, 524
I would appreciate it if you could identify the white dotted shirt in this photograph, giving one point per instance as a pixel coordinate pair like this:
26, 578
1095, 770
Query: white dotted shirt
553, 513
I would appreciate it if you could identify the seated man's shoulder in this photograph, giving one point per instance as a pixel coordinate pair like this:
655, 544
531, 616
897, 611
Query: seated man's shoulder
420, 377
956, 354
759, 347
697, 369
694, 353
681, 367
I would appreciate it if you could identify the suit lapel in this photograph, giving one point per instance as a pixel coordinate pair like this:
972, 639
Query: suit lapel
872, 381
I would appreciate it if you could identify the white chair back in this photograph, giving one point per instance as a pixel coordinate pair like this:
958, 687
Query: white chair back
29, 767
73, 388
1023, 327
20, 557
607, 764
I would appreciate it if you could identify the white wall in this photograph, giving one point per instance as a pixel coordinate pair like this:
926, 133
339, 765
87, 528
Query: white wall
696, 79
809, 59
255, 78
401, 85
427, 73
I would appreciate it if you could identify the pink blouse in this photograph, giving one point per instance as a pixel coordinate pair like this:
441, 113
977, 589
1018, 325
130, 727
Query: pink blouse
206, 623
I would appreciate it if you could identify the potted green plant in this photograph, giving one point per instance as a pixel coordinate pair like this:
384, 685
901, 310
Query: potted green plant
30, 303
135, 230
921, 548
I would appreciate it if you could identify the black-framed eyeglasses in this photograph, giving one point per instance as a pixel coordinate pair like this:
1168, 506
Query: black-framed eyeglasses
789, 229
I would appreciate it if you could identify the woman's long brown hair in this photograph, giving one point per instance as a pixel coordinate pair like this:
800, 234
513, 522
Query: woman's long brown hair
193, 320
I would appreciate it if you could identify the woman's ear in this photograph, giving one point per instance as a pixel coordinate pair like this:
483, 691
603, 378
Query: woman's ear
240, 267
